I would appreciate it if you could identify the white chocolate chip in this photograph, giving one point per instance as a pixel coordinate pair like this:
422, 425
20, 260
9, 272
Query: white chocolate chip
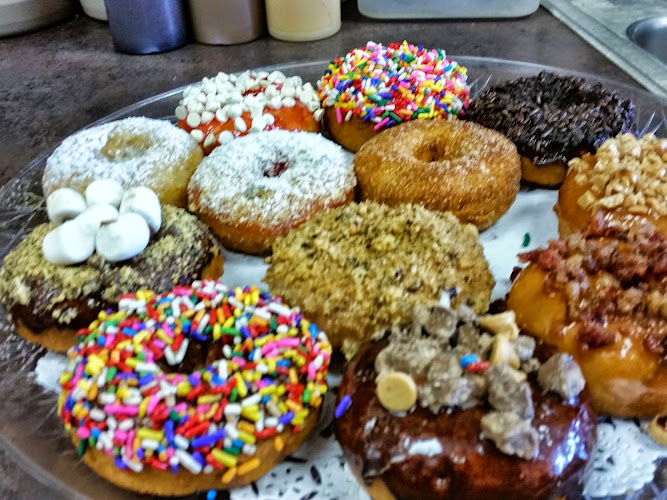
287, 91
225, 137
276, 77
269, 119
64, 204
207, 116
181, 112
258, 124
396, 391
318, 114
105, 191
235, 110
209, 140
276, 102
313, 106
221, 115
197, 135
193, 120
240, 125
288, 102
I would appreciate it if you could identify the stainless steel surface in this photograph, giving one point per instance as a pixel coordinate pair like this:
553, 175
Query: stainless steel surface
651, 35
226, 22
146, 26
604, 23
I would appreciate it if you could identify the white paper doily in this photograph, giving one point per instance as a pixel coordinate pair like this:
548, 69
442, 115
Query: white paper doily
624, 458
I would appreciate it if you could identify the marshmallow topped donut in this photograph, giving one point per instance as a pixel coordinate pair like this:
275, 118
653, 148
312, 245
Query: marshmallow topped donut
48, 302
132, 152
195, 389
375, 87
231, 105
258, 187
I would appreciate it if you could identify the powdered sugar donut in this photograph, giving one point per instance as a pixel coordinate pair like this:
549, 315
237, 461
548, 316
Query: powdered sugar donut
258, 187
231, 105
134, 151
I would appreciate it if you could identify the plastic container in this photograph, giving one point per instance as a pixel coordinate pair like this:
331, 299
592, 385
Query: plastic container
429, 9
146, 26
302, 20
94, 9
226, 22
20, 16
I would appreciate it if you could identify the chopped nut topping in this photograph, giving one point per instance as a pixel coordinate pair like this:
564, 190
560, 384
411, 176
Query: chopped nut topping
627, 173
512, 434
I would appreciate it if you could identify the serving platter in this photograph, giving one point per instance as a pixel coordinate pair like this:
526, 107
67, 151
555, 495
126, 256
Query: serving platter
627, 464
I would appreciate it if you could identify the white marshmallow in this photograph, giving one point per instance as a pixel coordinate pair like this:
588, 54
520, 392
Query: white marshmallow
69, 243
143, 201
93, 217
123, 239
104, 191
64, 204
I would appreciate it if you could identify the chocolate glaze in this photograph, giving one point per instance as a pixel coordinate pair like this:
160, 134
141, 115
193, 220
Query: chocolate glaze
426, 456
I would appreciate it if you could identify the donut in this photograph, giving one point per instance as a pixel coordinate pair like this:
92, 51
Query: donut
432, 411
375, 87
218, 386
363, 266
552, 119
48, 302
443, 165
625, 179
260, 186
134, 151
602, 297
232, 105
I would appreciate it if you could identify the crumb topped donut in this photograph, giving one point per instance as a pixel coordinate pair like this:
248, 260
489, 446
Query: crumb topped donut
49, 302
552, 119
626, 179
232, 105
455, 166
258, 187
134, 151
218, 386
449, 406
363, 266
376, 87
602, 297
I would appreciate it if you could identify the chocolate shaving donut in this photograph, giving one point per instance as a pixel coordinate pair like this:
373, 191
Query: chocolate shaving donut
553, 118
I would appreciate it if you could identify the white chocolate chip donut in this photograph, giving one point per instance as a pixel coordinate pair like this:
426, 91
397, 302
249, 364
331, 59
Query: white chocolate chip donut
131, 152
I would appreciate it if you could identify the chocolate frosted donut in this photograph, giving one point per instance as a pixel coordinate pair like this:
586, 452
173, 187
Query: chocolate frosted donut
49, 302
552, 119
481, 429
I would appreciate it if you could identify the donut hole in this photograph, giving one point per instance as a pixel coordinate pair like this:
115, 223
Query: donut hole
122, 146
276, 169
433, 151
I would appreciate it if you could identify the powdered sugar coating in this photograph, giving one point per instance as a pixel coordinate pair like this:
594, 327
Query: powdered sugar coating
232, 182
78, 160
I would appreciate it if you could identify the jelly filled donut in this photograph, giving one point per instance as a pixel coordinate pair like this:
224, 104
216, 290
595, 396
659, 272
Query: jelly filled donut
552, 119
455, 166
195, 389
364, 266
135, 151
49, 302
258, 187
455, 406
375, 87
231, 105
602, 297
625, 179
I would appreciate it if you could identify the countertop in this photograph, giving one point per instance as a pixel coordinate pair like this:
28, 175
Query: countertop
58, 80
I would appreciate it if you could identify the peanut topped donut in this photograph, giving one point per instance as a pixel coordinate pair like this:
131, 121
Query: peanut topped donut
364, 266
456, 166
258, 187
135, 151
626, 179
230, 105
552, 119
453, 406
375, 87
198, 388
602, 297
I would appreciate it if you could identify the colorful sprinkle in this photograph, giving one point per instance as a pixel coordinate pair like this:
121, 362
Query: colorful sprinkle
392, 84
117, 397
343, 405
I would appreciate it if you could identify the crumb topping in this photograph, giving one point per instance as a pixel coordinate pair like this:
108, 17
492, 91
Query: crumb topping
179, 251
627, 173
367, 265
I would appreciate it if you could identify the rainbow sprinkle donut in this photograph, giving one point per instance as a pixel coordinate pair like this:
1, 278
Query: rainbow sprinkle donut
198, 388
384, 86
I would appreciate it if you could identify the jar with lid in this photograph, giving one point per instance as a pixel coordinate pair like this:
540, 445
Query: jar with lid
302, 20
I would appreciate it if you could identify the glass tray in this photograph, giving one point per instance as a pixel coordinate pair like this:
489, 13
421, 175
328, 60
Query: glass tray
31, 432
